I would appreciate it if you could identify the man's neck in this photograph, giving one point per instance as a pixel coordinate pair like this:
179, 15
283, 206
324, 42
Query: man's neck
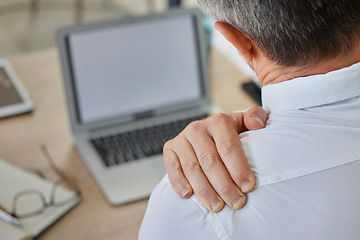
270, 72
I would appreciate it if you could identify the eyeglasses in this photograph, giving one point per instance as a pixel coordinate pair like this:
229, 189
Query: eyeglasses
32, 202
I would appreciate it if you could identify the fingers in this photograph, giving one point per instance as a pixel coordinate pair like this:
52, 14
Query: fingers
187, 167
255, 118
207, 159
175, 173
212, 166
224, 131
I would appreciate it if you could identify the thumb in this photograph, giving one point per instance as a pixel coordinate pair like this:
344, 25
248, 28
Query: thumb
255, 118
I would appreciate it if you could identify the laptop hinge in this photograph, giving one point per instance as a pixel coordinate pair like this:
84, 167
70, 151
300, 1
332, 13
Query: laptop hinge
143, 115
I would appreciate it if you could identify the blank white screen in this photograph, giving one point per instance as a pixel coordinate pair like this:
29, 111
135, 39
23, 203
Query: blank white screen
132, 68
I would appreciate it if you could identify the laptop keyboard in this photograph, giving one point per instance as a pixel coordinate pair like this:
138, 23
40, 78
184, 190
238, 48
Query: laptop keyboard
129, 146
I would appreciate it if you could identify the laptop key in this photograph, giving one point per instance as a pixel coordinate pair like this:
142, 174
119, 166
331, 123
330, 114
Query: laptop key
140, 143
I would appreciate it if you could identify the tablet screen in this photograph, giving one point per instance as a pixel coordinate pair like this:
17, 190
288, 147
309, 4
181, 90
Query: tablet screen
8, 93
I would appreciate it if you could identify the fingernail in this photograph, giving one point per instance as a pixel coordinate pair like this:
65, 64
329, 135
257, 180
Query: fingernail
184, 192
183, 189
247, 185
238, 202
215, 205
259, 120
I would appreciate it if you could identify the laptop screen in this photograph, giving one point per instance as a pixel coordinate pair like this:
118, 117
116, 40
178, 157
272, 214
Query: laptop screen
140, 66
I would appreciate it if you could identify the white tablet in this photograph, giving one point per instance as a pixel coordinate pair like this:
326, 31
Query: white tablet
13, 96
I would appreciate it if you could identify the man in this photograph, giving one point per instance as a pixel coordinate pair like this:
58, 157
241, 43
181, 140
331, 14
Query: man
306, 160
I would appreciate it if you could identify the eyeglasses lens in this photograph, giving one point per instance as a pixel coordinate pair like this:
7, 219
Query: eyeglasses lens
29, 203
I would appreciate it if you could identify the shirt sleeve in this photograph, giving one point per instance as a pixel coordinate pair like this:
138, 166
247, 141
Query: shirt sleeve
170, 217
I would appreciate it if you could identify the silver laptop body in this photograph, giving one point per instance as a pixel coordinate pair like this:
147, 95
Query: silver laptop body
130, 74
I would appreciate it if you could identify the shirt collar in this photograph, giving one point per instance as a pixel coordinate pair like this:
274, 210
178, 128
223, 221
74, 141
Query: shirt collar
314, 90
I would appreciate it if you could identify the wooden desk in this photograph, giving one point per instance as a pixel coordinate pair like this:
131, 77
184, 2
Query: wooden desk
20, 137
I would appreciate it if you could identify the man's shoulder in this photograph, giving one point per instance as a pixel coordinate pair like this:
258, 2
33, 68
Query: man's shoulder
170, 217
294, 148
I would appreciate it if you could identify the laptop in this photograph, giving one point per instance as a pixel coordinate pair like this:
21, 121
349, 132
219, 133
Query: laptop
131, 85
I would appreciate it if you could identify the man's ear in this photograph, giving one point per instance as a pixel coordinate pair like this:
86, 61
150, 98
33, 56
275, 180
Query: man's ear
238, 39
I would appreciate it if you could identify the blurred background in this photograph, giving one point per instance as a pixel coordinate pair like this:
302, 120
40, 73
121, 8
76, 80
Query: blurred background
30, 25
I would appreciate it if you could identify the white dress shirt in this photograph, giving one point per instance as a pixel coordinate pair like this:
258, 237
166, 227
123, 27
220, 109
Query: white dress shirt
307, 166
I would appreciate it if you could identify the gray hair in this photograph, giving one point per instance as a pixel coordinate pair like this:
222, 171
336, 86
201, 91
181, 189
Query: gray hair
293, 32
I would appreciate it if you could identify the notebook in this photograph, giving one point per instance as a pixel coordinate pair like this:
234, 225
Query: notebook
131, 85
14, 180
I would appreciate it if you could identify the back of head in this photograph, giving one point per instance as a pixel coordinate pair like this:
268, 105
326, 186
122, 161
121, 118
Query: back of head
293, 32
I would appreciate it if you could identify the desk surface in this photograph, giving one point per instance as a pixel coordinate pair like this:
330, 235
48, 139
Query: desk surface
48, 124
